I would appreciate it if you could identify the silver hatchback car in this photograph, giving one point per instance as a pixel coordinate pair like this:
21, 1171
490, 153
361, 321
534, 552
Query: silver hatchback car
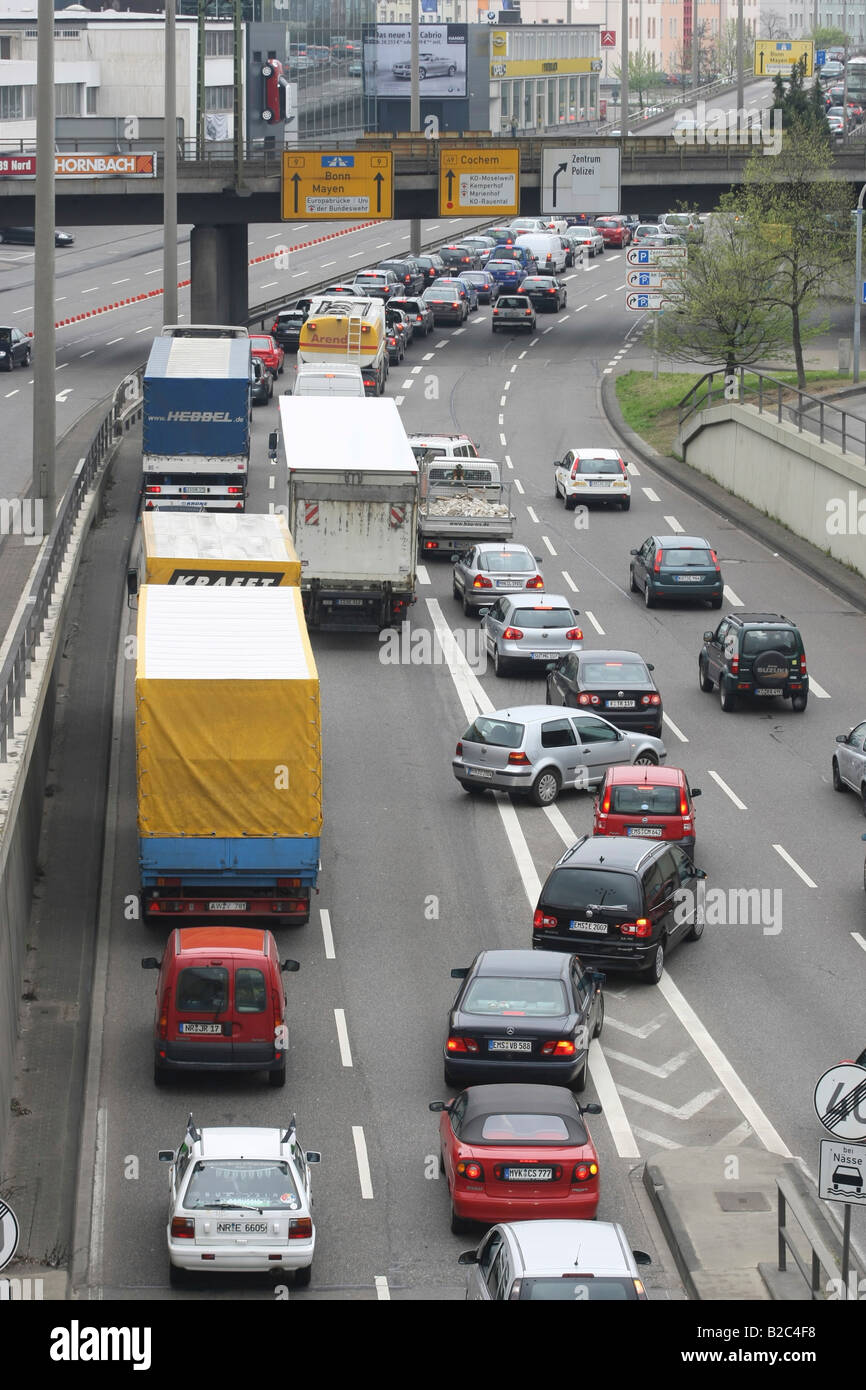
536, 750
529, 628
849, 762
555, 1261
491, 567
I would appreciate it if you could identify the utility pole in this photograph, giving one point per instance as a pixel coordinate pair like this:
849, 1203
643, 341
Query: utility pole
845, 80
238, 106
44, 388
199, 82
169, 170
623, 86
740, 83
858, 284
696, 47
415, 113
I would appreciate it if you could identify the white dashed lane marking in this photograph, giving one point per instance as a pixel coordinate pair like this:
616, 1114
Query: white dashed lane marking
650, 495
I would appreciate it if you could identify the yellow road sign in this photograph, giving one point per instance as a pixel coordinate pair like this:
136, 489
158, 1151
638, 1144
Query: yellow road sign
476, 182
780, 55
330, 184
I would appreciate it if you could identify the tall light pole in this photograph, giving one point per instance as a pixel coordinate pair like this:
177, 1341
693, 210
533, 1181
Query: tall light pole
858, 283
169, 170
44, 407
740, 83
696, 47
414, 111
623, 86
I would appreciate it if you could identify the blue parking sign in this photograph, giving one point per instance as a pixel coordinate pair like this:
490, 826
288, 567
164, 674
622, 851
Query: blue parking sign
643, 301
643, 257
820, 57
643, 277
863, 292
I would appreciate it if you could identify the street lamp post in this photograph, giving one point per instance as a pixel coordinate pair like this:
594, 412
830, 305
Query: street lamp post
858, 283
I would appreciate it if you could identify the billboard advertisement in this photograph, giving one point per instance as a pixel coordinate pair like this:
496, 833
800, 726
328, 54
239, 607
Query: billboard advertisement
441, 60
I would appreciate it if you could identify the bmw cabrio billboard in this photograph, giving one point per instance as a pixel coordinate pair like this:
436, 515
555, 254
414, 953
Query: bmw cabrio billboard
441, 60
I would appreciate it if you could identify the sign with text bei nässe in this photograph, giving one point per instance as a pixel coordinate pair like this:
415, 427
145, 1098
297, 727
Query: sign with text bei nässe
580, 179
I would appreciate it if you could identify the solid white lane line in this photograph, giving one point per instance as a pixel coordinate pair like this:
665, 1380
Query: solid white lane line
735, 1087
818, 690
362, 1161
666, 719
674, 525
518, 484
650, 495
549, 546
612, 1108
328, 935
596, 624
343, 1037
809, 882
570, 582
740, 805
532, 515
732, 597
383, 1293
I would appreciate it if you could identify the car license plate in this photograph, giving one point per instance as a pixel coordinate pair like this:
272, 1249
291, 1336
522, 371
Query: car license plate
619, 704
599, 927
507, 584
598, 482
199, 1027
242, 1228
649, 832
774, 690
541, 656
197, 490
511, 1174
689, 578
349, 602
226, 907
508, 1045
479, 772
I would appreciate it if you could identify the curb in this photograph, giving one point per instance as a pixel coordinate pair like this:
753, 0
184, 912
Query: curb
833, 575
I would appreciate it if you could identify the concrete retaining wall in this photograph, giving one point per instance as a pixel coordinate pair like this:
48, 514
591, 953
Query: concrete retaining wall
814, 489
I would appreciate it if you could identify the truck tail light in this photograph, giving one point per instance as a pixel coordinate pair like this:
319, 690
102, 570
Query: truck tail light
540, 922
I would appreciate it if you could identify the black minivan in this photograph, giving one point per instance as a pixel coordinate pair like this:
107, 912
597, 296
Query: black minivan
620, 903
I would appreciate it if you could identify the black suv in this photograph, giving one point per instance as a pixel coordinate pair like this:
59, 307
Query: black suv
287, 324
755, 654
410, 276
620, 903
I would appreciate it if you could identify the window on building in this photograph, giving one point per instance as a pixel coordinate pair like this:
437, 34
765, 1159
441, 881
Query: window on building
505, 99
219, 43
90, 100
219, 98
529, 103
5, 46
551, 101
67, 99
11, 104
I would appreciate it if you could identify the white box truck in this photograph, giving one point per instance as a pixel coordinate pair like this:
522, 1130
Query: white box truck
352, 485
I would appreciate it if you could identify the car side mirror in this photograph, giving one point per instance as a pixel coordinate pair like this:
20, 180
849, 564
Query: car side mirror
557, 463
149, 963
700, 873
696, 791
468, 1257
634, 552
313, 1156
273, 440
841, 738
485, 609
641, 1257
591, 1109
708, 636
650, 666
437, 1105
598, 977
131, 584
292, 966
460, 972
287, 390
455, 559
166, 1155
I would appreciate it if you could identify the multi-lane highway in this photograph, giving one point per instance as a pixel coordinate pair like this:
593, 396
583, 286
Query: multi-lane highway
417, 877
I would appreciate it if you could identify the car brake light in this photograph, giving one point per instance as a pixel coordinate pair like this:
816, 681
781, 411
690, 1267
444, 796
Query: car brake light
527, 311
575, 634
470, 1169
461, 1045
684, 806
496, 311
512, 634
539, 921
551, 290
605, 805
658, 561
482, 582
182, 1228
735, 663
153, 489
584, 699
803, 664
563, 1048
641, 927
535, 583
650, 699
519, 760
716, 561
162, 1025
584, 1171
301, 1228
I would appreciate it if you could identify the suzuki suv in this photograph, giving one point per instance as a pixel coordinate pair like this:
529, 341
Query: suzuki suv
755, 654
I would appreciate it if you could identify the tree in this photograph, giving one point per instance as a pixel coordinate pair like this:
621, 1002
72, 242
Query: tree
642, 75
774, 25
802, 110
722, 317
826, 36
796, 208
727, 48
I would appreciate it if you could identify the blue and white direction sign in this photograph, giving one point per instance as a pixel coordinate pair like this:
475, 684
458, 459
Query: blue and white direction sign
656, 255
840, 1101
647, 279
644, 303
863, 292
820, 57
842, 1172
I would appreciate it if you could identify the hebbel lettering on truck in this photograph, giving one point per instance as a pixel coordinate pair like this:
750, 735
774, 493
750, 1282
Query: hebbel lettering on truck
195, 427
207, 549
228, 755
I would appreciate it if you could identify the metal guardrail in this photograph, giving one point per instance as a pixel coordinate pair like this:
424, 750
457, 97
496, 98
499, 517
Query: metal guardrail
811, 414
124, 410
791, 1204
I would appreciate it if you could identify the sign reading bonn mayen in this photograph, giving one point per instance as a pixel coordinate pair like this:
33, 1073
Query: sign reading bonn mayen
82, 166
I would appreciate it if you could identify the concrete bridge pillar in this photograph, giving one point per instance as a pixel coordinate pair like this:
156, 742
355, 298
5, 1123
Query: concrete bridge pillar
218, 271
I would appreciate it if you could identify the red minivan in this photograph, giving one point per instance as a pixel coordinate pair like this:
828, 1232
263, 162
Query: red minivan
652, 803
220, 1003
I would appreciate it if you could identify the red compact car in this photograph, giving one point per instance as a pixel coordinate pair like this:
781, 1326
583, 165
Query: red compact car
651, 803
613, 231
268, 350
515, 1153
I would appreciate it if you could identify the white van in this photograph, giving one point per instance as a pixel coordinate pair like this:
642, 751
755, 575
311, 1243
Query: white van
328, 379
547, 249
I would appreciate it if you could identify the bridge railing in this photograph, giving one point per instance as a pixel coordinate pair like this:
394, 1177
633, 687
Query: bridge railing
811, 414
123, 411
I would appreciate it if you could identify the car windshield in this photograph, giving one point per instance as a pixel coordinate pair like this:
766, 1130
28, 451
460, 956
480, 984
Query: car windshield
261, 343
571, 890
631, 673
505, 562
691, 555
5, 335
634, 801
540, 616
537, 998
571, 1288
241, 1182
590, 465
496, 733
524, 1129
763, 640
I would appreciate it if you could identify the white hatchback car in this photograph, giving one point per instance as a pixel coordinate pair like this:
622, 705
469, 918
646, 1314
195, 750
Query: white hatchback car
239, 1202
592, 475
555, 1261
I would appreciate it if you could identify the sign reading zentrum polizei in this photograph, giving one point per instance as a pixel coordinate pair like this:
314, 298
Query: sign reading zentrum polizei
580, 179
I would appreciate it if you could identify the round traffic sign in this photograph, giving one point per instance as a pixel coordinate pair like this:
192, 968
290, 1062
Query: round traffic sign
840, 1101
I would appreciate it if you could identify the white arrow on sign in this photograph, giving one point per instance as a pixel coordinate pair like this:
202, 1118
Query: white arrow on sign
644, 303
840, 1101
656, 255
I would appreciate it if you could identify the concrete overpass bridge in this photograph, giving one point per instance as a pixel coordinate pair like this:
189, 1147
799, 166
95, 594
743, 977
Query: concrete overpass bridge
656, 173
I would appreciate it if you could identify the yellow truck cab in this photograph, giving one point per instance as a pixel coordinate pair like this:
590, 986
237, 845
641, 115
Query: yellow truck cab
346, 328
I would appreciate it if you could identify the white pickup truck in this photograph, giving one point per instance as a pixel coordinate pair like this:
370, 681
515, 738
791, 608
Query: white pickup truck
462, 501
592, 475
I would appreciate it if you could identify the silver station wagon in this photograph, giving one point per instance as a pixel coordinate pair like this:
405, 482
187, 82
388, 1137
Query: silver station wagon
536, 750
